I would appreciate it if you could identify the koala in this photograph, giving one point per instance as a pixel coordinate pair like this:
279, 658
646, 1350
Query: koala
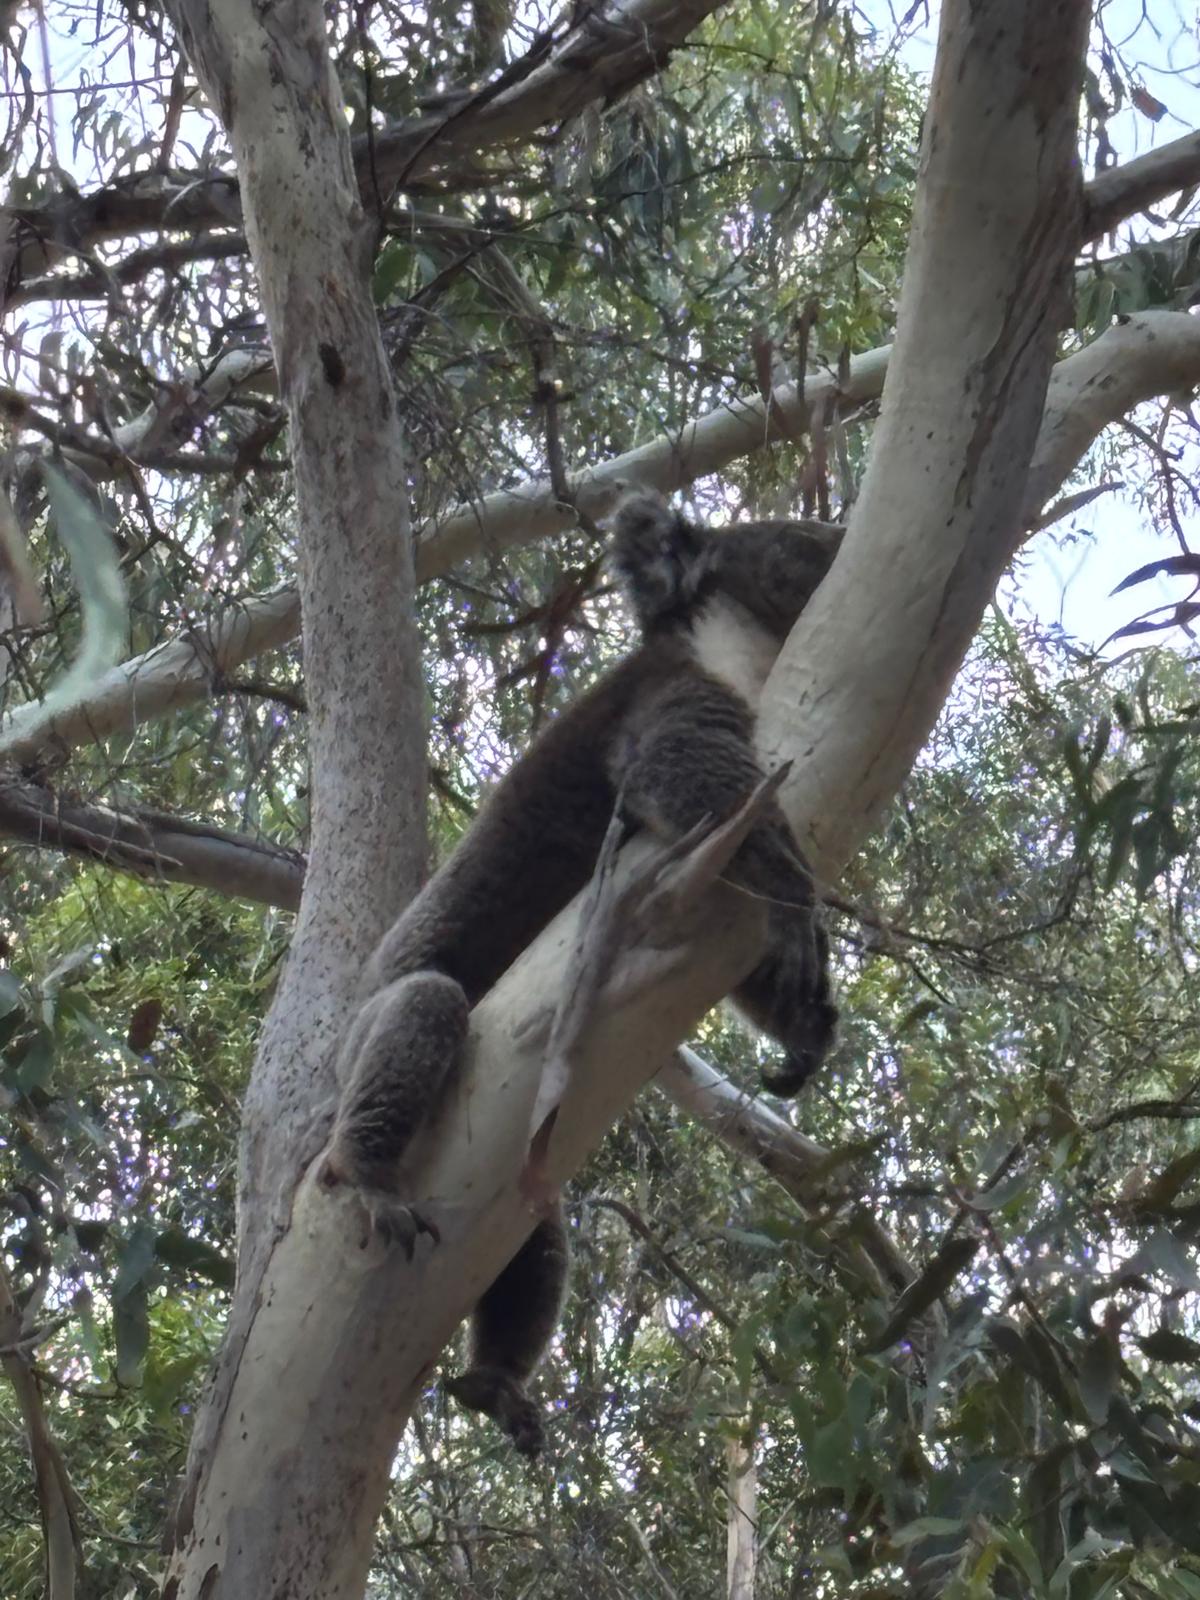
668, 734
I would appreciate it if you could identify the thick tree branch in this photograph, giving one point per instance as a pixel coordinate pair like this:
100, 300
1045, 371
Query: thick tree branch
152, 845
1151, 353
607, 52
868, 667
98, 284
372, 1321
152, 437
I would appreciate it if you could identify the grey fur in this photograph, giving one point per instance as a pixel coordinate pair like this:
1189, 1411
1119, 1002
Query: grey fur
670, 728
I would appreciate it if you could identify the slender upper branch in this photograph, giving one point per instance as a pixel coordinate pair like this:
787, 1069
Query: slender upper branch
604, 54
151, 844
1121, 191
1151, 353
176, 673
151, 202
748, 1126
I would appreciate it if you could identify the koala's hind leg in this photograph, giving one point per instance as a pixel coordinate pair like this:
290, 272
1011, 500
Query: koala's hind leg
400, 1051
510, 1329
691, 755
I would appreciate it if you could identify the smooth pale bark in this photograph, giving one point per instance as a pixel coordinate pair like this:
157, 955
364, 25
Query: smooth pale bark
270, 76
1148, 354
1136, 185
1154, 352
997, 222
736, 429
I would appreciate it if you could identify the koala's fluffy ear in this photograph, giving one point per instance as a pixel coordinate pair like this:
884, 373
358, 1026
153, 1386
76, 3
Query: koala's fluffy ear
657, 556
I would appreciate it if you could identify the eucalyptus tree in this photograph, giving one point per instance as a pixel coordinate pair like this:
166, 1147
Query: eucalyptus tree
340, 306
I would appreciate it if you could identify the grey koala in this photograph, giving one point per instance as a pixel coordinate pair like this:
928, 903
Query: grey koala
669, 732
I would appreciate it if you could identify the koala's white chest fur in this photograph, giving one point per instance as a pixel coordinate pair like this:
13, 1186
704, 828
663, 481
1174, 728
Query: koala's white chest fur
732, 645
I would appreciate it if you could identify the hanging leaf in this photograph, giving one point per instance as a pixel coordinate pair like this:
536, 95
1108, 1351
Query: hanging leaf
102, 601
1172, 566
1180, 617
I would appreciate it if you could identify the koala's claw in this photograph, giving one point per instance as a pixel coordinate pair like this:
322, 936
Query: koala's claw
395, 1222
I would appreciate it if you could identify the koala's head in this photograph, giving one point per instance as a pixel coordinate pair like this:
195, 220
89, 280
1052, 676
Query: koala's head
772, 568
658, 557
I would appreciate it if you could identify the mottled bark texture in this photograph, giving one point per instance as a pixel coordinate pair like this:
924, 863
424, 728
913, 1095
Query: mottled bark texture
267, 71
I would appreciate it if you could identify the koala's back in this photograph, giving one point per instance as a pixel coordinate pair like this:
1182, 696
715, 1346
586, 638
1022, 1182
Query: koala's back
534, 844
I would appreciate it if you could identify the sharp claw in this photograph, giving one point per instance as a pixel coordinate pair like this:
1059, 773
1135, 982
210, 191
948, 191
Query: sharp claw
398, 1224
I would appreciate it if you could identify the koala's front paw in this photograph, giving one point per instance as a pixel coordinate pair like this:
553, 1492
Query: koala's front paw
502, 1398
808, 1041
389, 1219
